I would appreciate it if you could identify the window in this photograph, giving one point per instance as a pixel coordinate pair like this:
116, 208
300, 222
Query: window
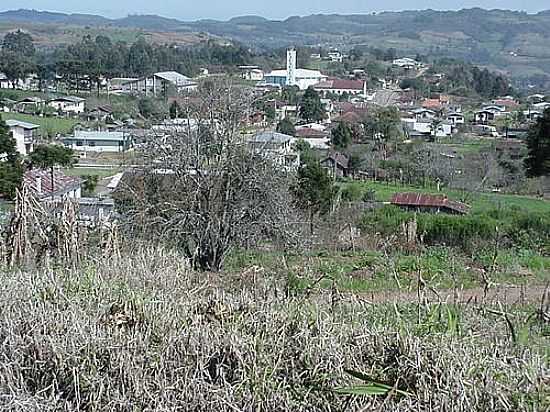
91, 144
79, 143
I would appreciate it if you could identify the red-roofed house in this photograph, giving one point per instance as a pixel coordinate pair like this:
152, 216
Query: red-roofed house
342, 86
39, 182
429, 203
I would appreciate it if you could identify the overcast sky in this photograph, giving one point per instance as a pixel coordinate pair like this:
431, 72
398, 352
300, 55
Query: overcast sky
276, 9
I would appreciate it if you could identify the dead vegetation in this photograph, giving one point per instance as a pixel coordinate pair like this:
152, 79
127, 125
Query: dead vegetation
145, 333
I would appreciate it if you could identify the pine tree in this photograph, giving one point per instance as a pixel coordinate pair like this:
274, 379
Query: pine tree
341, 136
11, 169
538, 145
314, 189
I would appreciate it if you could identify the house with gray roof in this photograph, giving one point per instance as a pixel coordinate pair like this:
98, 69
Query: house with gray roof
98, 141
278, 147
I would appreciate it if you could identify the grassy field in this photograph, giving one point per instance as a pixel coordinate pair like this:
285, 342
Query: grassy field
82, 171
142, 332
49, 126
478, 201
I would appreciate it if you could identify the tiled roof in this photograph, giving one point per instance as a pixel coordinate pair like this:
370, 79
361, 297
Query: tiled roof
62, 183
426, 200
340, 84
309, 132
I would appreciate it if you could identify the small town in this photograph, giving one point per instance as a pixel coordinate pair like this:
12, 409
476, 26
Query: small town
203, 216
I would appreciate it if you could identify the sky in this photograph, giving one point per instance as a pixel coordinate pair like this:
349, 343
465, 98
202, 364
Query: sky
274, 9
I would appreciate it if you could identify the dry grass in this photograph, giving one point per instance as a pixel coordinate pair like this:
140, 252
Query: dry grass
146, 334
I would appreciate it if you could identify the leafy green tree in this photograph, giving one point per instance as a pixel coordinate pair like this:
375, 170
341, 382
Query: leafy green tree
11, 169
311, 108
341, 136
285, 126
50, 156
314, 190
538, 145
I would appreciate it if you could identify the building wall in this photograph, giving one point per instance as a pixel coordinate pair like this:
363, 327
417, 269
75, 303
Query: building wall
18, 134
68, 107
90, 145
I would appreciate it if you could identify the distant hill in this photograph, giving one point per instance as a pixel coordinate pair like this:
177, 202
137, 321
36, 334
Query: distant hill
515, 42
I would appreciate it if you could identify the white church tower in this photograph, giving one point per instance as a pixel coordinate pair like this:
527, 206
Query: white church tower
291, 67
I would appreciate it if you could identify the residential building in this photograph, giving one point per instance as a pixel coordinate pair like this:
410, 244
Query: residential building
335, 57
421, 202
455, 118
278, 147
68, 104
340, 87
337, 164
252, 73
424, 128
24, 135
29, 104
423, 114
160, 82
39, 181
489, 114
406, 63
98, 141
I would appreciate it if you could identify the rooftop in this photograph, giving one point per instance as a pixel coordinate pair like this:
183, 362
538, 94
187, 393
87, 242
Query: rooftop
71, 99
341, 84
105, 136
61, 183
271, 137
300, 73
24, 125
174, 77
427, 200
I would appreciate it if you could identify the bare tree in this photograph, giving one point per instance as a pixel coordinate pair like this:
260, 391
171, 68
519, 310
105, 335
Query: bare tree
203, 189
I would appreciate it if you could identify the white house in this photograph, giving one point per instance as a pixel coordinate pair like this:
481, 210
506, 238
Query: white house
406, 63
424, 128
278, 147
335, 57
68, 104
455, 118
253, 73
98, 141
24, 135
40, 183
423, 114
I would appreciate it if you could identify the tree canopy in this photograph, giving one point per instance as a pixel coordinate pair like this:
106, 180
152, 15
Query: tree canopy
311, 108
341, 135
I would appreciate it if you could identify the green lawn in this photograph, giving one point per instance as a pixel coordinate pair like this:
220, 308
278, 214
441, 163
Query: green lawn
478, 201
102, 173
49, 126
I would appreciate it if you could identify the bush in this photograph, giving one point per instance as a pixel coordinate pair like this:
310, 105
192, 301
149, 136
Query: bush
521, 228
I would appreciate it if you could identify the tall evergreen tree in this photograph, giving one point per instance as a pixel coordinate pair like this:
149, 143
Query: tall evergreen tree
11, 169
341, 136
538, 145
313, 190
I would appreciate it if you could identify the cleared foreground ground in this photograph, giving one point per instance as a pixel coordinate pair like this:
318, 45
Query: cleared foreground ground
146, 334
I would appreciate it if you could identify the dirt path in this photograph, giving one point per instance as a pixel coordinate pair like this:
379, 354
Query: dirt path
505, 294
